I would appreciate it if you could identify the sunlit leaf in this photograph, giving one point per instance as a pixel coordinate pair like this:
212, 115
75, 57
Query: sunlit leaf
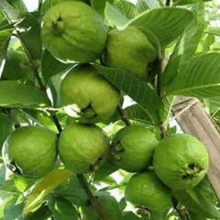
14, 94
44, 188
199, 77
166, 23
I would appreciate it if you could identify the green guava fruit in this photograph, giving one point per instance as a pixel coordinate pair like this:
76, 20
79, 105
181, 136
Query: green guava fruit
181, 161
30, 151
83, 148
96, 99
131, 50
73, 31
132, 148
47, 4
109, 205
147, 192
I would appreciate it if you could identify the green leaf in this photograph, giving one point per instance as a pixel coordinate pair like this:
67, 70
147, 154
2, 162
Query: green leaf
44, 188
42, 213
2, 16
213, 30
14, 212
166, 23
199, 200
190, 41
99, 6
17, 67
30, 35
14, 94
199, 77
72, 190
64, 210
142, 6
18, 4
194, 216
6, 127
135, 112
122, 204
9, 186
5, 36
171, 71
186, 2
129, 216
7, 199
127, 8
105, 170
208, 42
137, 89
114, 16
51, 66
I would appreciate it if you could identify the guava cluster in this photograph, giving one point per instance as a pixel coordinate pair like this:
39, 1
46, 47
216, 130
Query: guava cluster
74, 32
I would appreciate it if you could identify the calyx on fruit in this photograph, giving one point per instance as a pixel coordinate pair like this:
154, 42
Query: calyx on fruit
133, 147
96, 99
148, 193
30, 151
109, 205
131, 50
73, 31
83, 148
181, 161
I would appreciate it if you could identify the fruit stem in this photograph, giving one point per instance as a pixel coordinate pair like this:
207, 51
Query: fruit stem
123, 115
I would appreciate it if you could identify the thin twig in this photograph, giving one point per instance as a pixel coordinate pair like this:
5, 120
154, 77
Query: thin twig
40, 5
158, 67
95, 204
182, 213
123, 115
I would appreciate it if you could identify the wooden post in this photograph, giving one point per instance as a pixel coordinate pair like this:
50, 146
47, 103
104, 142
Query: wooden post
193, 119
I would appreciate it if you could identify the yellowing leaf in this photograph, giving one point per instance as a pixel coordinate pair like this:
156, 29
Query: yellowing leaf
44, 188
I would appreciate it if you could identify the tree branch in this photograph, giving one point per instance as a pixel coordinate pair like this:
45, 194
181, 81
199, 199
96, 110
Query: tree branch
123, 115
95, 204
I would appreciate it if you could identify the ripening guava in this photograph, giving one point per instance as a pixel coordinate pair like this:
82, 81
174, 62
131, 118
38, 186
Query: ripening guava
73, 31
30, 151
146, 191
181, 161
131, 50
133, 147
96, 99
83, 148
109, 205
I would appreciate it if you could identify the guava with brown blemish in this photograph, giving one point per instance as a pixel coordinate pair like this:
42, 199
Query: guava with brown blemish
181, 161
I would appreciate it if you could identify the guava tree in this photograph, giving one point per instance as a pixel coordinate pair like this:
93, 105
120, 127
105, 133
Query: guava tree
87, 90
